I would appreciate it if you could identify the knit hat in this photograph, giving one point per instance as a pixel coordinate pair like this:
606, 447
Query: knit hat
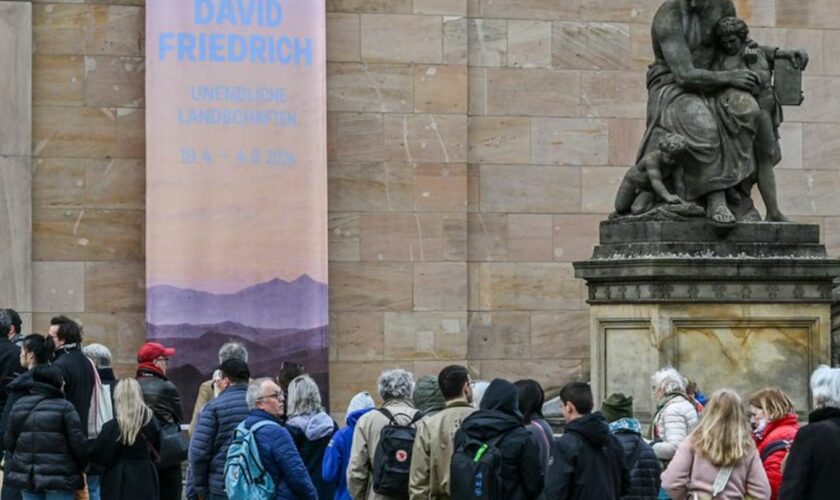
360, 401
427, 395
617, 406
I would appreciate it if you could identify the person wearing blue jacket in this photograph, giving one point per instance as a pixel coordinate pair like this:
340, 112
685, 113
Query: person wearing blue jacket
278, 453
213, 434
337, 456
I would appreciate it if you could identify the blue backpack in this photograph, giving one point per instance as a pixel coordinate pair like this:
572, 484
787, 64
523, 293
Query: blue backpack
245, 476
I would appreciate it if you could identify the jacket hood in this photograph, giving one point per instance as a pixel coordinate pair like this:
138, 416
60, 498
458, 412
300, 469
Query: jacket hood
314, 425
823, 414
593, 428
628, 425
21, 383
354, 417
46, 390
499, 412
427, 395
501, 396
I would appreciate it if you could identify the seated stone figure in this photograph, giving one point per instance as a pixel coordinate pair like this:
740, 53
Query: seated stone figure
644, 181
731, 33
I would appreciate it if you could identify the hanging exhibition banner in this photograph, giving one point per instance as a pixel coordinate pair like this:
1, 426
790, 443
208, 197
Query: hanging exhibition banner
236, 196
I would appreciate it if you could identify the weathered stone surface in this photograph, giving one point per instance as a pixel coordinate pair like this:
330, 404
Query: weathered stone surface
808, 192
477, 91
811, 14
440, 89
810, 40
16, 79
792, 142
357, 336
131, 133
560, 334
58, 182
115, 81
532, 92
619, 10
832, 52
58, 286
552, 374
344, 236
598, 188
440, 286
598, 46
418, 335
821, 146
378, 6
131, 334
488, 237
575, 235
115, 287
440, 187
60, 29
530, 237
832, 236
510, 188
525, 9
569, 141
494, 139
344, 40
370, 187
413, 237
499, 335
420, 38
625, 137
528, 286
79, 132
87, 235
613, 94
58, 80
446, 7
426, 138
359, 136
756, 12
16, 231
641, 46
455, 40
115, 184
487, 42
529, 44
369, 87
819, 104
370, 286
116, 30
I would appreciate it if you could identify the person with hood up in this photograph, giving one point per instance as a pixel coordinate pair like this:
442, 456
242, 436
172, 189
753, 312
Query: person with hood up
337, 456
427, 396
521, 471
641, 460
592, 458
311, 429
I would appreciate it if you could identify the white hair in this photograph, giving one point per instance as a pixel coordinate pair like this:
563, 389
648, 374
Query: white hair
304, 396
668, 379
255, 391
233, 350
395, 384
100, 355
825, 387
478, 388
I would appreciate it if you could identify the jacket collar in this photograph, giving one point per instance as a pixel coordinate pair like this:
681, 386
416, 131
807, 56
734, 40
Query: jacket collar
824, 413
263, 415
65, 349
458, 403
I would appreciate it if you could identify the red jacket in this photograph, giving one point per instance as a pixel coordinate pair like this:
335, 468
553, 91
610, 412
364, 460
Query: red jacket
783, 429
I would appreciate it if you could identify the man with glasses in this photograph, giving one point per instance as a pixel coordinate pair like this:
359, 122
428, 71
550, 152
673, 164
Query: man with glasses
278, 453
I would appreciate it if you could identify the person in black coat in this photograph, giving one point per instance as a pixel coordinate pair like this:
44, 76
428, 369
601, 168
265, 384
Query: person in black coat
10, 366
45, 439
521, 472
592, 458
125, 450
75, 367
639, 456
814, 459
36, 350
163, 398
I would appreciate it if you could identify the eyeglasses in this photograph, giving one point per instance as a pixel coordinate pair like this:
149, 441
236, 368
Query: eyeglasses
163, 358
276, 395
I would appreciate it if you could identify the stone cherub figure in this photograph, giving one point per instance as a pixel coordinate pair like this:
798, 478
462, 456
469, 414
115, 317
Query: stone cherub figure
736, 53
644, 181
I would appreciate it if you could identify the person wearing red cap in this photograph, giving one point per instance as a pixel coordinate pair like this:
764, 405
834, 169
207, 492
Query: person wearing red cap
163, 398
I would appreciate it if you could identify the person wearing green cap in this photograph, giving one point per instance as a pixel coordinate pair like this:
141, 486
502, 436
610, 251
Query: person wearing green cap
641, 460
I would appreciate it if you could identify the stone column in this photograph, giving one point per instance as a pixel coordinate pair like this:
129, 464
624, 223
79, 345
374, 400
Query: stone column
15, 155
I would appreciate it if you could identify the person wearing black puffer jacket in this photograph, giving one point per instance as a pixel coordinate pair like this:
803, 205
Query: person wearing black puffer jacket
592, 458
640, 457
45, 439
522, 474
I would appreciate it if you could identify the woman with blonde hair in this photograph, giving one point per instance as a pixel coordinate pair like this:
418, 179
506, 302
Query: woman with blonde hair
127, 447
718, 459
774, 426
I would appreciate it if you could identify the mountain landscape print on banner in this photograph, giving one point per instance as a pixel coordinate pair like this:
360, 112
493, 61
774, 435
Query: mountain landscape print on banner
276, 321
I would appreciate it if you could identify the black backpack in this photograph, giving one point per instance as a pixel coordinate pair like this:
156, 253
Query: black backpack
476, 469
392, 459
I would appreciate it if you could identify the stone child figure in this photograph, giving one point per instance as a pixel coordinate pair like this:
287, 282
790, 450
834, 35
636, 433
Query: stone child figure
644, 181
736, 52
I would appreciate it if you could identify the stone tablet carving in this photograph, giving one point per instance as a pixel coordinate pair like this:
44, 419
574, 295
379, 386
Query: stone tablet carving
714, 110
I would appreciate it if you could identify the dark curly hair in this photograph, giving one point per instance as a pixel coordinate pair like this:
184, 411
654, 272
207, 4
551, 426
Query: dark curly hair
732, 26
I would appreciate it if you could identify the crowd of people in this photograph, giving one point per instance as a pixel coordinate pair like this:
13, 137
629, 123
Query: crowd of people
72, 430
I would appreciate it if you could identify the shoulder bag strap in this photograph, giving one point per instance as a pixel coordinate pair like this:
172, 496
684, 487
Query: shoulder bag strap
722, 478
388, 414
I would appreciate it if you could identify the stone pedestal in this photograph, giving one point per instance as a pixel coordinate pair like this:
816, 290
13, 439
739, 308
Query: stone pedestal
742, 307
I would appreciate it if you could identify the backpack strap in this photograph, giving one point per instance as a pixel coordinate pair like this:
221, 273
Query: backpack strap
773, 447
634, 457
392, 418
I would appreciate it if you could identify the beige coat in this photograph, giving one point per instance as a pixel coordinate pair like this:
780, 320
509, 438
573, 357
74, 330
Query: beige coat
433, 448
365, 440
205, 395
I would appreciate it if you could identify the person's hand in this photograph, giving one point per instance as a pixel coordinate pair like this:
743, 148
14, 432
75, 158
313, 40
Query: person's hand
673, 199
799, 58
743, 79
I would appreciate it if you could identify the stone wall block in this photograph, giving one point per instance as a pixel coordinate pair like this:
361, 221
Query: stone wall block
808, 192
813, 41
426, 138
552, 374
569, 141
357, 336
16, 79
58, 80
61, 28
487, 237
625, 137
116, 30
370, 286
440, 286
370, 187
440, 89
368, 6
594, 46
538, 189
614, 94
831, 50
344, 39
560, 334
532, 92
487, 42
16, 231
115, 287
821, 146
575, 236
131, 133
440, 187
455, 40
359, 136
526, 9
819, 104
792, 142
115, 81
530, 237
445, 7
87, 235
420, 38
75, 132
499, 335
59, 182
115, 184
363, 87
413, 237
425, 335
599, 186
811, 14
516, 286
58, 286
529, 44
344, 236
756, 12
494, 139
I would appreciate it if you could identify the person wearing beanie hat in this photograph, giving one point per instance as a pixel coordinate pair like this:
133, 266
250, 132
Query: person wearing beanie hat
337, 456
427, 396
641, 460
